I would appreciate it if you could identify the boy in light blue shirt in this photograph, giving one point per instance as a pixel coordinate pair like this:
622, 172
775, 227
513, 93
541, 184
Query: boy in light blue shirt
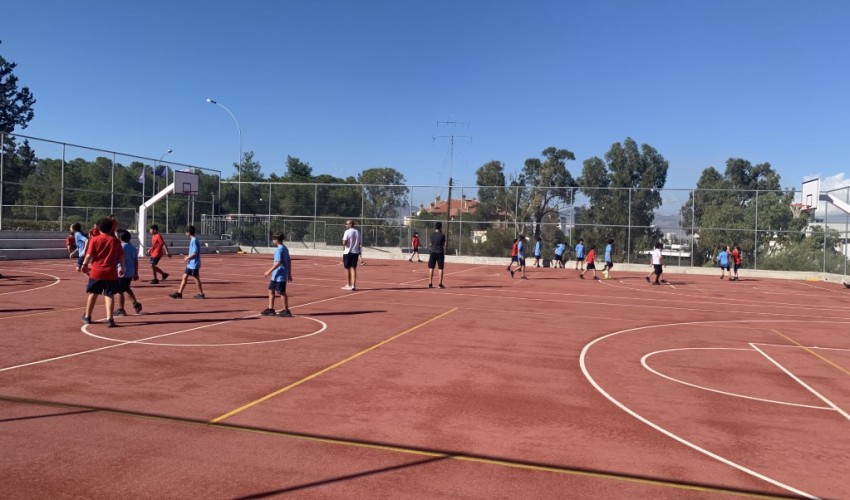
580, 254
723, 261
193, 266
280, 273
609, 259
558, 261
538, 248
131, 273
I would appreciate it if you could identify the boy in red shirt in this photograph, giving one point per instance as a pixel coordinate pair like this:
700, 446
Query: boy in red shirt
105, 255
589, 260
156, 249
414, 246
736, 262
514, 258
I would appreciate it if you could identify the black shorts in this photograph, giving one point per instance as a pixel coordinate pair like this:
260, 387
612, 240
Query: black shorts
725, 268
609, 264
521, 261
278, 286
436, 259
124, 284
514, 258
537, 256
591, 265
349, 260
155, 260
557, 258
196, 273
580, 259
80, 260
105, 287
658, 269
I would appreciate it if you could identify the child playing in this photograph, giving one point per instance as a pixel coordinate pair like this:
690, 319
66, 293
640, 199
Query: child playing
193, 266
513, 257
80, 239
537, 251
736, 261
70, 243
580, 254
591, 266
280, 273
131, 273
520, 255
657, 264
414, 248
157, 248
723, 261
558, 261
106, 257
609, 259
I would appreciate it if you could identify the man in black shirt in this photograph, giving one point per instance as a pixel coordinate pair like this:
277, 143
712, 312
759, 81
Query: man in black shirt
437, 254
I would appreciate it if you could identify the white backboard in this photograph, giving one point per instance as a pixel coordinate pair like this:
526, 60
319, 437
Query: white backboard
811, 194
185, 182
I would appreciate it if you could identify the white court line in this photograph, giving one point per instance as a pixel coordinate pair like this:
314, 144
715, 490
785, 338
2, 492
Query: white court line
586, 372
445, 274
800, 381
645, 364
58, 279
141, 341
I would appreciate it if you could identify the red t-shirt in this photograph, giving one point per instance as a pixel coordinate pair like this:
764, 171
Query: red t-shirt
94, 231
415, 242
156, 245
70, 242
514, 251
590, 256
106, 252
736, 257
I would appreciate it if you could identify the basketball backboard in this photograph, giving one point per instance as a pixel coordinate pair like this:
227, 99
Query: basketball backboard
811, 194
185, 182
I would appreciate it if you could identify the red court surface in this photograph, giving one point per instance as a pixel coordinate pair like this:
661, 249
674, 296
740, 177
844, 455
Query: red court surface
551, 387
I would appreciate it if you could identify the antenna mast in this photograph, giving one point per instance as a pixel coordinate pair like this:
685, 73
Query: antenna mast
452, 123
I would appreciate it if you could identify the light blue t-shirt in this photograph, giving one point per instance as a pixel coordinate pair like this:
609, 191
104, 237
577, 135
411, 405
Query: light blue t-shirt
80, 239
537, 249
194, 248
281, 254
723, 258
559, 250
580, 251
130, 256
520, 249
608, 251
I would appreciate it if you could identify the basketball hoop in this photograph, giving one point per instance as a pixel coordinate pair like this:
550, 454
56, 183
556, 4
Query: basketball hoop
802, 208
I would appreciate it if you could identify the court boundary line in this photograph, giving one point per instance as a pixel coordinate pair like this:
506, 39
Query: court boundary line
646, 421
327, 368
56, 282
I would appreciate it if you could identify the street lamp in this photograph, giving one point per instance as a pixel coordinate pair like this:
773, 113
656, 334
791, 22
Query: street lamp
239, 163
153, 186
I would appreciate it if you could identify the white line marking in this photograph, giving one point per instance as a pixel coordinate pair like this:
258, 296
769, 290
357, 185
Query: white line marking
73, 354
645, 364
58, 279
583, 363
800, 381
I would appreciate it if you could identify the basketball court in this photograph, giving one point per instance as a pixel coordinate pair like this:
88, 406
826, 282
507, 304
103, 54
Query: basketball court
494, 387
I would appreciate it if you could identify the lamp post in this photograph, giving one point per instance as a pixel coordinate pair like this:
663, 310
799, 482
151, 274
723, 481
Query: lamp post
153, 186
238, 163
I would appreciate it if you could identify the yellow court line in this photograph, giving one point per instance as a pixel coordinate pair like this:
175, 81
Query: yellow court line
813, 353
327, 369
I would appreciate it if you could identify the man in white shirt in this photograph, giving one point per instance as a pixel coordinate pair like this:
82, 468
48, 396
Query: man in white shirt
657, 264
350, 253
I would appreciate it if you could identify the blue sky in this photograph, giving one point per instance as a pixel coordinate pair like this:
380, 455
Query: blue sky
347, 86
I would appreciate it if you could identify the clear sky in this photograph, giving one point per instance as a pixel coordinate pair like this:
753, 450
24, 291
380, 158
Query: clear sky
349, 85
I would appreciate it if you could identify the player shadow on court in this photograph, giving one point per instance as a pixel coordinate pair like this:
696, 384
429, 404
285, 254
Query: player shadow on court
31, 417
26, 310
344, 313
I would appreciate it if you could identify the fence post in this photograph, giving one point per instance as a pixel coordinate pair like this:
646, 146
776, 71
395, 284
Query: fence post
629, 240
825, 226
756, 237
2, 184
315, 212
846, 220
693, 223
62, 192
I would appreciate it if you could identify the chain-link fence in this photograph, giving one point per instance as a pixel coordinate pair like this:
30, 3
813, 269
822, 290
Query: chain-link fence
48, 185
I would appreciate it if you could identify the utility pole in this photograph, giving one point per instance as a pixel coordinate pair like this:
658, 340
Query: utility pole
452, 123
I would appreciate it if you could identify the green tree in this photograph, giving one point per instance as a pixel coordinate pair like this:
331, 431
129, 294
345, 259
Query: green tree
623, 190
744, 206
492, 193
16, 110
384, 194
544, 185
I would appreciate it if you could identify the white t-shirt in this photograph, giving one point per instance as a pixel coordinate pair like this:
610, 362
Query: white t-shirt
656, 257
351, 239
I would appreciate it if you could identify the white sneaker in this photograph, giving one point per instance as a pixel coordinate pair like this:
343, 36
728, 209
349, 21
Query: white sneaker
347, 287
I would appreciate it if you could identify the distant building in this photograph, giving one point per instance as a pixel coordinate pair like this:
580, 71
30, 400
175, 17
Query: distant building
458, 207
